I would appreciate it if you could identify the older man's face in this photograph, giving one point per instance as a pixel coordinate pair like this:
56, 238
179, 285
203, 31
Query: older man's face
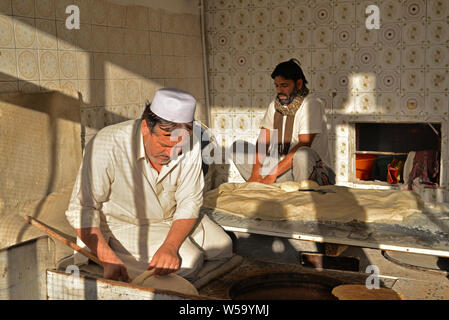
286, 88
162, 146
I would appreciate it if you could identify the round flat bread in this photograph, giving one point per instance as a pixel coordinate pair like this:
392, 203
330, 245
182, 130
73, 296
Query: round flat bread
361, 292
171, 282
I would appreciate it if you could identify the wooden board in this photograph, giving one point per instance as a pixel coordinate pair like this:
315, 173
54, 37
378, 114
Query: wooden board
394, 237
65, 286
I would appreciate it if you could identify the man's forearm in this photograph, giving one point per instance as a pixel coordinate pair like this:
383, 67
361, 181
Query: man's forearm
262, 147
94, 240
179, 231
287, 163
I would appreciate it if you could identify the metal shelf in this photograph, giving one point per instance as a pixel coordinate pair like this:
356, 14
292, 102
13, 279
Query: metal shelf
383, 153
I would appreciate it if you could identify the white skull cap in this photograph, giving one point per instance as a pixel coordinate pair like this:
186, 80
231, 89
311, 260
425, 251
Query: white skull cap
173, 105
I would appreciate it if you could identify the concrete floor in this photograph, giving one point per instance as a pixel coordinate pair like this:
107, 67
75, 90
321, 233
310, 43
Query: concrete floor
411, 283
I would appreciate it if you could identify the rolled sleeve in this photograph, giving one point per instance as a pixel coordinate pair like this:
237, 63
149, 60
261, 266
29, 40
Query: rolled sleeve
189, 194
268, 119
311, 117
92, 185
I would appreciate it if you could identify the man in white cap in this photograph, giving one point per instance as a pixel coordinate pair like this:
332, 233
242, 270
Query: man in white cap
136, 201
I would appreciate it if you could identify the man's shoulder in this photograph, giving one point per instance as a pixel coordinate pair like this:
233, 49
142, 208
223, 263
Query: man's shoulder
312, 103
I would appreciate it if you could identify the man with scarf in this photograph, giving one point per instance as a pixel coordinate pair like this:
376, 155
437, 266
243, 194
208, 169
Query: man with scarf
293, 142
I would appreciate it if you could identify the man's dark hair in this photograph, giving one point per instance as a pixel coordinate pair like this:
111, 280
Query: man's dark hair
152, 120
291, 70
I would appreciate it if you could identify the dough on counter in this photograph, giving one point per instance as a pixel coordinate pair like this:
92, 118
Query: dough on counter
340, 204
171, 282
291, 186
361, 292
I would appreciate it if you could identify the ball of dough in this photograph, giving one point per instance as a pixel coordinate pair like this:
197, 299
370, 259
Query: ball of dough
171, 282
291, 186
308, 184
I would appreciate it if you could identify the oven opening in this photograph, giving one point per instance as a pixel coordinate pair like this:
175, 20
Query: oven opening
398, 153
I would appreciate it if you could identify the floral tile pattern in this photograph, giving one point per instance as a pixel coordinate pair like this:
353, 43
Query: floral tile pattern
399, 72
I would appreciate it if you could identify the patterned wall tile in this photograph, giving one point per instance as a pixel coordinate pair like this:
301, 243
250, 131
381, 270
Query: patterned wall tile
23, 8
344, 58
344, 103
68, 65
412, 104
413, 33
391, 11
437, 103
437, 57
344, 35
413, 57
366, 103
6, 32
437, 32
321, 59
437, 80
261, 61
46, 34
6, 7
388, 81
437, 9
27, 64
25, 32
48, 65
366, 37
389, 103
45, 9
322, 36
414, 9
344, 13
390, 57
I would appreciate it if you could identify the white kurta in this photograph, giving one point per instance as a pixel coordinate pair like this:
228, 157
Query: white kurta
118, 191
310, 118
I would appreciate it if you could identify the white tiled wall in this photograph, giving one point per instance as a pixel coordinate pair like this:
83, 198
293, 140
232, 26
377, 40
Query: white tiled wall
117, 59
374, 73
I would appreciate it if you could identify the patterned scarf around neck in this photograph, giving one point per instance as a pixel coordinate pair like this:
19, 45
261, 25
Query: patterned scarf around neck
289, 111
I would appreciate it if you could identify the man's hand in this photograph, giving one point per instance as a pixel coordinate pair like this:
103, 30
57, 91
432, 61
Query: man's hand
113, 267
115, 271
269, 179
166, 260
254, 178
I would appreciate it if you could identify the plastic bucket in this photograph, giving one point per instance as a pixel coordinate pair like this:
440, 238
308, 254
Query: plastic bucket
364, 166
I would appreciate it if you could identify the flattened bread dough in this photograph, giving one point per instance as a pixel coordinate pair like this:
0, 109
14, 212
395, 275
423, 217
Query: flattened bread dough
361, 292
171, 282
272, 202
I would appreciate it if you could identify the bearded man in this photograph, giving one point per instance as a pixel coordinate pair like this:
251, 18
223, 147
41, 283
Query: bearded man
293, 142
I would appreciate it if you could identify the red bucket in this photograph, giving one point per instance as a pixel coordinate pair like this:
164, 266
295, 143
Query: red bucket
364, 166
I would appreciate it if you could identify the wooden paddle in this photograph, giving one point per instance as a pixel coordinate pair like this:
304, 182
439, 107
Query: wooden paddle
63, 239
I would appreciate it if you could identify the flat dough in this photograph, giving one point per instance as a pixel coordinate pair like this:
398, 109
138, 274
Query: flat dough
291, 186
171, 282
361, 292
272, 202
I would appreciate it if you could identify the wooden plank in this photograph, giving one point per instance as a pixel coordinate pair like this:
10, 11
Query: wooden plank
65, 286
23, 269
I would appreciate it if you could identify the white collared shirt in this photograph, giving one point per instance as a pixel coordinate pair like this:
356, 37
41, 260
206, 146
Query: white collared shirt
116, 185
309, 119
